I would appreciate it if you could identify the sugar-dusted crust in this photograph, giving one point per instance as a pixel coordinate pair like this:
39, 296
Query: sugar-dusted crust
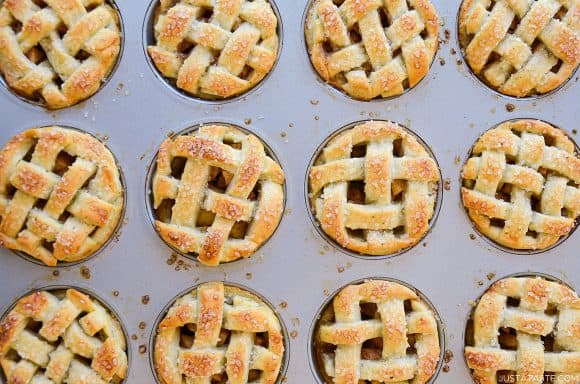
62, 52
215, 310
220, 57
246, 167
413, 175
356, 357
525, 173
545, 310
369, 48
55, 211
521, 48
78, 340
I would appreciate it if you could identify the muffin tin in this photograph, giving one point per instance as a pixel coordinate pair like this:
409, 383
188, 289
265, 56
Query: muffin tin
296, 269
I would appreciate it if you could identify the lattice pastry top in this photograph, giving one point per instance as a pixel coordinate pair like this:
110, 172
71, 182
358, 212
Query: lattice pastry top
372, 48
215, 49
219, 334
524, 328
57, 337
377, 332
61, 196
217, 193
521, 48
373, 188
58, 53
521, 184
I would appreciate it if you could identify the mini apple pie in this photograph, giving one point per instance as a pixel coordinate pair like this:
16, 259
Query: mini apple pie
373, 188
216, 193
61, 196
525, 330
521, 185
521, 48
62, 337
58, 53
215, 49
372, 48
377, 332
219, 334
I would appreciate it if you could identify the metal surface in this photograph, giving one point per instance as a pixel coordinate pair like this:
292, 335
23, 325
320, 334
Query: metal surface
293, 112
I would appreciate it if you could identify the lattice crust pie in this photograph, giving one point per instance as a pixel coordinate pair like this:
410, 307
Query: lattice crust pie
215, 49
525, 330
377, 332
217, 193
521, 185
61, 337
219, 334
521, 48
373, 188
372, 48
58, 52
61, 196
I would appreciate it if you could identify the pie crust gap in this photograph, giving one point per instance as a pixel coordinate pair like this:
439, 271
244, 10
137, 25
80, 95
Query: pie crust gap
525, 330
219, 333
374, 332
521, 48
60, 54
215, 50
521, 185
61, 336
61, 195
372, 49
373, 189
216, 194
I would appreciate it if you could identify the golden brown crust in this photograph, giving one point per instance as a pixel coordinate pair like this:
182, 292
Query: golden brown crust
354, 48
39, 64
375, 349
526, 174
63, 202
545, 311
62, 347
218, 56
521, 48
214, 313
239, 160
387, 175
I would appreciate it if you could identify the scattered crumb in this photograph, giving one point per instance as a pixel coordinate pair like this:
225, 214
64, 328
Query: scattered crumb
249, 276
459, 62
574, 131
472, 303
120, 86
283, 134
425, 244
457, 160
510, 107
182, 265
447, 184
116, 293
56, 273
248, 121
340, 269
283, 305
441, 61
448, 356
326, 292
480, 283
490, 276
142, 325
472, 236
291, 125
453, 51
445, 368
294, 334
145, 299
85, 273
172, 259
134, 337
314, 102
317, 118
295, 321
142, 349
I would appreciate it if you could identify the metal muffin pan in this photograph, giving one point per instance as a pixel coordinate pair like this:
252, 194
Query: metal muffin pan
296, 269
